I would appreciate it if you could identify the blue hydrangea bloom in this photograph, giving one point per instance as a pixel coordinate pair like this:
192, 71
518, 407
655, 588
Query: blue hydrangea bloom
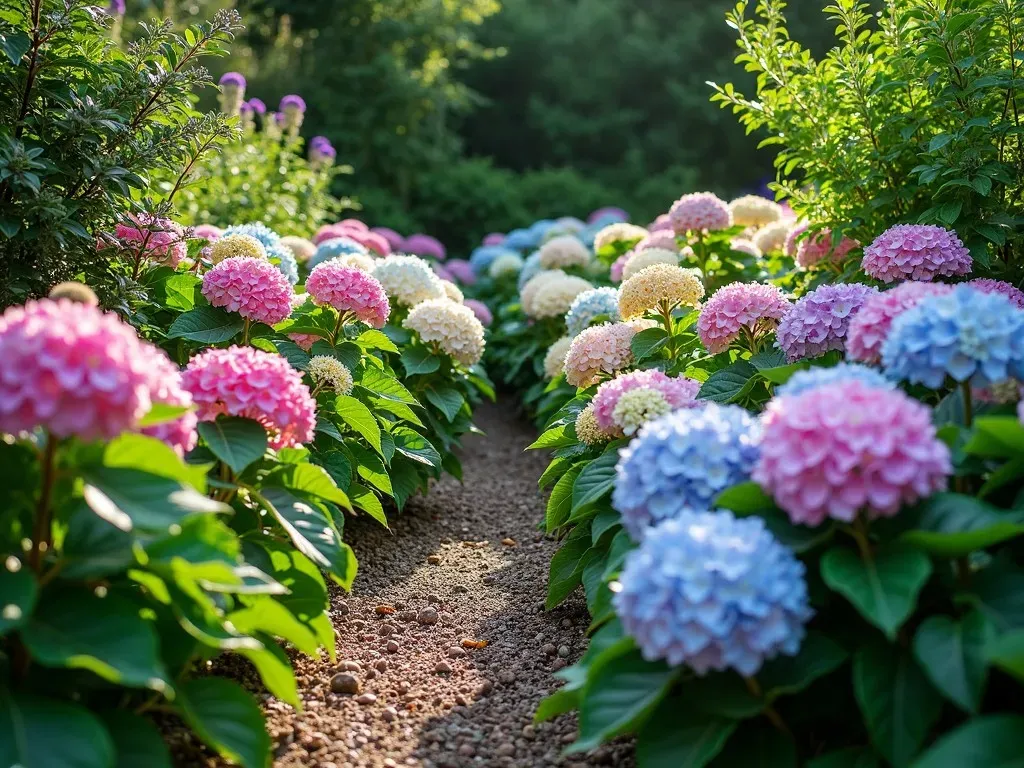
713, 592
682, 461
335, 247
964, 334
530, 268
590, 305
286, 261
256, 229
588, 235
539, 230
802, 381
521, 240
480, 259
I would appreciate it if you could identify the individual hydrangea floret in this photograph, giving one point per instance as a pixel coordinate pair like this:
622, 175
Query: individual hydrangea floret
713, 592
602, 349
678, 392
452, 327
988, 285
638, 406
871, 323
619, 235
481, 310
812, 378
659, 286
700, 212
554, 359
564, 251
771, 238
965, 334
555, 297
408, 280
916, 252
754, 211
254, 288
506, 264
154, 238
349, 290
818, 322
681, 462
842, 449
752, 309
330, 371
818, 248
640, 260
238, 244
590, 305
588, 431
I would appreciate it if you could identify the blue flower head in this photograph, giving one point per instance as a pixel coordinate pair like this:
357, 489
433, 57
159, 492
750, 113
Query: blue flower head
335, 247
257, 229
285, 261
530, 268
713, 592
521, 240
590, 305
964, 334
682, 461
480, 259
539, 230
812, 378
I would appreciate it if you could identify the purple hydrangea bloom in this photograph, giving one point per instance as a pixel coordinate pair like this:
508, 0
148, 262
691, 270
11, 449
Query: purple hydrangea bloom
965, 334
609, 213
291, 101
802, 381
818, 322
258, 106
495, 238
394, 239
425, 245
235, 79
988, 285
916, 252
681, 462
462, 271
482, 312
715, 593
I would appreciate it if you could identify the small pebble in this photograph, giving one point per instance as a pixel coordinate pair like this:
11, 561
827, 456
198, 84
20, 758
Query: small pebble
392, 647
381, 665
389, 714
558, 664
384, 610
507, 677
456, 653
563, 651
351, 666
366, 698
345, 682
509, 542
460, 589
427, 616
387, 629
434, 559
434, 599
443, 668
506, 750
342, 609
488, 579
549, 649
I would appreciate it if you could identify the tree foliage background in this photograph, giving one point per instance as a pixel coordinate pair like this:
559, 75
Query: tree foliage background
461, 116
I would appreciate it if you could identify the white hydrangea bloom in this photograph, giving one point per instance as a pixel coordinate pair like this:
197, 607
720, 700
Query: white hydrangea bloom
771, 238
554, 360
453, 327
643, 259
754, 211
408, 280
620, 232
452, 291
508, 263
534, 284
564, 251
329, 370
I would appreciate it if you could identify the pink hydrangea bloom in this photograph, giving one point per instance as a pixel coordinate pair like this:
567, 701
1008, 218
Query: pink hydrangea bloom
619, 265
159, 239
424, 245
663, 239
678, 392
254, 288
845, 448
353, 224
661, 224
329, 232
180, 434
304, 340
818, 248
208, 232
916, 252
494, 238
461, 270
819, 321
599, 349
74, 370
753, 306
252, 384
483, 314
871, 323
988, 285
790, 246
348, 289
698, 212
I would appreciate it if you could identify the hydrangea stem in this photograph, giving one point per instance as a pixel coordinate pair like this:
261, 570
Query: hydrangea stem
245, 332
965, 387
770, 712
41, 531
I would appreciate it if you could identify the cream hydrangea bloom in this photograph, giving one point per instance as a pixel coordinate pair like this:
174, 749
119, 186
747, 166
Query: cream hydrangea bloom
619, 233
236, 245
659, 285
452, 327
600, 349
643, 259
554, 360
554, 298
588, 431
754, 211
564, 251
638, 406
452, 291
408, 280
330, 371
771, 238
358, 261
742, 245
534, 284
300, 247
506, 264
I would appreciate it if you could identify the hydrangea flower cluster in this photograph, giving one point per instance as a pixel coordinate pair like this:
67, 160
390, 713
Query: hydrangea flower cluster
180, 433
74, 370
555, 296
619, 235
700, 212
916, 252
659, 285
507, 264
452, 292
587, 429
207, 232
619, 265
481, 310
642, 259
819, 321
681, 462
562, 252
844, 448
408, 280
329, 371
602, 349
664, 240
301, 248
481, 258
554, 359
231, 246
160, 240
818, 248
453, 327
754, 211
737, 308
812, 378
271, 242
334, 247
713, 592
987, 285
529, 291
254, 288
678, 392
638, 406
461, 270
425, 245
252, 384
870, 325
590, 305
359, 261
771, 238
348, 289
964, 334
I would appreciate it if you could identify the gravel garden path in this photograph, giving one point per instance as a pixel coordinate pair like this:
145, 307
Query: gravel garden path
463, 567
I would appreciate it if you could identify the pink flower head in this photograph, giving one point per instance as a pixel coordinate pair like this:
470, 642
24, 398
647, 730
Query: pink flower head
424, 245
599, 349
156, 238
394, 239
619, 265
678, 392
818, 322
699, 212
790, 246
845, 448
254, 288
483, 314
755, 307
495, 238
74, 370
461, 271
818, 248
374, 242
180, 434
662, 239
661, 224
916, 252
208, 232
252, 384
987, 285
348, 289
304, 340
871, 323
355, 224
329, 232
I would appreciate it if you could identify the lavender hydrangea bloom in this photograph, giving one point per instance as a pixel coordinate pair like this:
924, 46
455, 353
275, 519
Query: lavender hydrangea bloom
965, 334
818, 322
681, 462
335, 247
802, 381
916, 252
590, 305
713, 592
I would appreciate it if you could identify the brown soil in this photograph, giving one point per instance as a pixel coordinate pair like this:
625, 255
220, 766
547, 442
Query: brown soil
471, 559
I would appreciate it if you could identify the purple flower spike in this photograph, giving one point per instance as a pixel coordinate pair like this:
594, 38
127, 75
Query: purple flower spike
258, 106
291, 101
233, 79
